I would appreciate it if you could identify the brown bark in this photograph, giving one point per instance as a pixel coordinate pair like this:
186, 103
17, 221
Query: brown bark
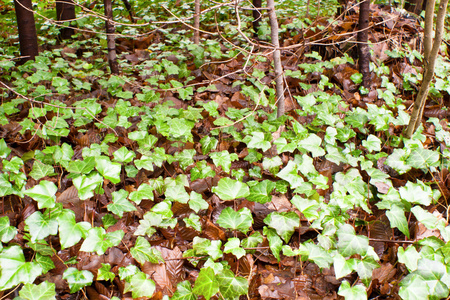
279, 87
256, 15
27, 29
429, 63
197, 22
415, 6
65, 10
110, 38
362, 37
130, 11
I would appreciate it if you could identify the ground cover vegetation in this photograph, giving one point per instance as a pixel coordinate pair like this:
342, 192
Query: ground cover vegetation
175, 179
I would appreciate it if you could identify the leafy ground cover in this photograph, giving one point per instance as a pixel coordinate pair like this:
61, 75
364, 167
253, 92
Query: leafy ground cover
176, 180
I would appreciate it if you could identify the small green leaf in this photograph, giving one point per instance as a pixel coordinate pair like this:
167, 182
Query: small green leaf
204, 246
142, 252
71, 232
124, 155
99, 241
208, 143
109, 170
86, 185
145, 191
41, 226
396, 216
223, 159
104, 273
196, 202
284, 223
184, 292
120, 204
417, 193
231, 287
261, 192
177, 193
410, 257
275, 242
356, 292
206, 284
44, 291
258, 141
240, 220
7, 232
233, 246
423, 158
349, 243
41, 170
229, 189
43, 194
77, 279
194, 222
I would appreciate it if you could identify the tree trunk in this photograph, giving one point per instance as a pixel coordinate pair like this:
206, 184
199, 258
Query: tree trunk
429, 62
256, 15
110, 38
27, 29
130, 11
362, 37
415, 6
276, 57
197, 22
65, 10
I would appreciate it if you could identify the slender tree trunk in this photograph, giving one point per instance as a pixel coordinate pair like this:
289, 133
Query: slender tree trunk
197, 22
65, 10
362, 37
415, 6
130, 11
27, 29
110, 38
276, 57
256, 15
429, 62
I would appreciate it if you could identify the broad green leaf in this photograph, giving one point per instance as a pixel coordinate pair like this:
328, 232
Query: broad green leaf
45, 262
15, 270
206, 283
99, 241
290, 174
309, 208
398, 161
426, 218
109, 170
43, 194
196, 202
356, 292
316, 254
231, 287
177, 193
7, 232
194, 222
229, 189
120, 203
41, 226
185, 157
145, 191
41, 170
372, 143
253, 240
312, 144
258, 141
423, 158
142, 252
284, 223
77, 279
71, 232
208, 143
233, 246
184, 292
349, 243
204, 246
261, 192
125, 273
409, 257
223, 159
396, 216
240, 220
43, 291
275, 242
365, 268
201, 170
417, 193
86, 185
342, 266
414, 287
124, 155
81, 166
104, 273
4, 150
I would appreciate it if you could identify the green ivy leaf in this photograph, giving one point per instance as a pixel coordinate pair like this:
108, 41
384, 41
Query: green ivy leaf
184, 292
124, 155
41, 226
409, 257
45, 262
185, 158
229, 189
120, 204
258, 141
417, 193
233, 246
44, 291
208, 143
109, 170
349, 243
253, 240
231, 287
223, 159
372, 143
342, 266
196, 202
206, 284
290, 174
204, 246
261, 192
43, 194
142, 252
312, 144
4, 150
284, 223
86, 185
240, 220
275, 242
177, 193
396, 216
423, 158
414, 287
15, 270
77, 279
356, 292
316, 254
99, 241
41, 170
194, 222
145, 191
309, 208
71, 232
7, 232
